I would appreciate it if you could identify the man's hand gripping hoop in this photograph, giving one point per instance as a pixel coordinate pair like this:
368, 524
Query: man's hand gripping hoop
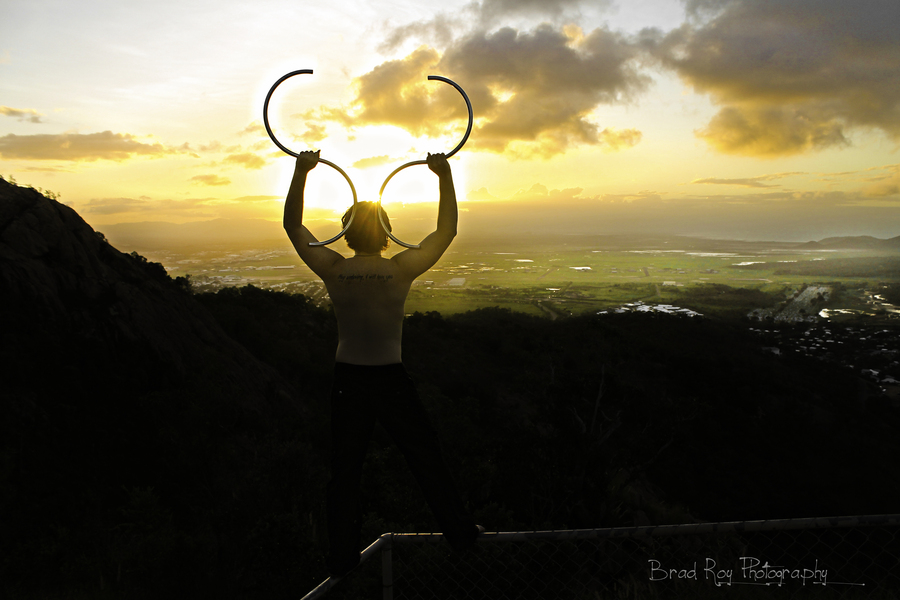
295, 155
341, 171
425, 162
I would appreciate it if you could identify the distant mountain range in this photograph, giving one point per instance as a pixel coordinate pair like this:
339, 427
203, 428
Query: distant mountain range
858, 242
158, 235
232, 233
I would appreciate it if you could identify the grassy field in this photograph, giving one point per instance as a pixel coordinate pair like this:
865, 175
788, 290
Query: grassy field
576, 275
724, 279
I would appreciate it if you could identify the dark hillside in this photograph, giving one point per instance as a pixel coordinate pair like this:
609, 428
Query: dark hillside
136, 437
721, 426
156, 444
556, 423
71, 298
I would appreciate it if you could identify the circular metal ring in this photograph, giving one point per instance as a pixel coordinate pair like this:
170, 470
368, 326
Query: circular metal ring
424, 162
295, 154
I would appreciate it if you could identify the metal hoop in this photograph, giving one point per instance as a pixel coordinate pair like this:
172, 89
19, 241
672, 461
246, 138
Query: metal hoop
295, 154
424, 162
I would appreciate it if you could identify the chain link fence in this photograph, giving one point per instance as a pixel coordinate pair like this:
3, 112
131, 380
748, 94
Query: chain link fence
839, 557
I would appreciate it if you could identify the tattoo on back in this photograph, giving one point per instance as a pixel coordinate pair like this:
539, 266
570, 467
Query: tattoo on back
364, 277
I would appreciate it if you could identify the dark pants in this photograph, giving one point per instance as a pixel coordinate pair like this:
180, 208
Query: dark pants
360, 396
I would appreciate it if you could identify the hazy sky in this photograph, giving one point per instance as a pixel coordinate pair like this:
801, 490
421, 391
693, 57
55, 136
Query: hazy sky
750, 118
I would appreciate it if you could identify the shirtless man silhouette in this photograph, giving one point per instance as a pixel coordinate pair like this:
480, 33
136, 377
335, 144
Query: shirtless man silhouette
368, 293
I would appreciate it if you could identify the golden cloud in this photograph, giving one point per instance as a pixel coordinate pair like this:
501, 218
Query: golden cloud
259, 198
211, 179
791, 75
751, 182
886, 185
213, 146
771, 131
397, 93
491, 9
144, 208
481, 193
540, 192
254, 127
28, 114
440, 29
533, 92
314, 133
375, 161
105, 145
42, 169
248, 160
536, 90
617, 139
884, 189
112, 206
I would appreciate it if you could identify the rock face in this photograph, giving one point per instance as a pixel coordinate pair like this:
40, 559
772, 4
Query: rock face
73, 306
129, 420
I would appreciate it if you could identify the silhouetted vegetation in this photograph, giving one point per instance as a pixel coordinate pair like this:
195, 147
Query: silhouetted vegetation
144, 453
724, 300
891, 293
583, 422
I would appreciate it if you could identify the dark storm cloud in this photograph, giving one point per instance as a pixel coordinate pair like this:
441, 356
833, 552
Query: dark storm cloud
443, 28
534, 91
791, 75
440, 30
538, 88
492, 10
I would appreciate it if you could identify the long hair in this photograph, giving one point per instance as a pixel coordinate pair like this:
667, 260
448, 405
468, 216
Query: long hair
366, 233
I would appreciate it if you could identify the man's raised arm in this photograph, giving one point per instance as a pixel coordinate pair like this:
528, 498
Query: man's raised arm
415, 261
317, 258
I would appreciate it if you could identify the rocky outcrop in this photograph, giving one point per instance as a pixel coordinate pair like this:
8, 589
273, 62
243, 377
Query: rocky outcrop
75, 307
130, 422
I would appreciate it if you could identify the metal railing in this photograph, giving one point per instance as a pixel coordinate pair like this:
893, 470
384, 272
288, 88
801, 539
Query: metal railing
828, 557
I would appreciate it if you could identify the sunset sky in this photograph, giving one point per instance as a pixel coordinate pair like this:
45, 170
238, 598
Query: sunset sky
764, 119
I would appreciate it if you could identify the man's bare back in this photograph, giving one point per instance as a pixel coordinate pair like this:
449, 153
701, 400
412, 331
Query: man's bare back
368, 294
368, 291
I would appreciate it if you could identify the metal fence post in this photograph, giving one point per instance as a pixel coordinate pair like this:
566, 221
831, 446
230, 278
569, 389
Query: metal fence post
387, 573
